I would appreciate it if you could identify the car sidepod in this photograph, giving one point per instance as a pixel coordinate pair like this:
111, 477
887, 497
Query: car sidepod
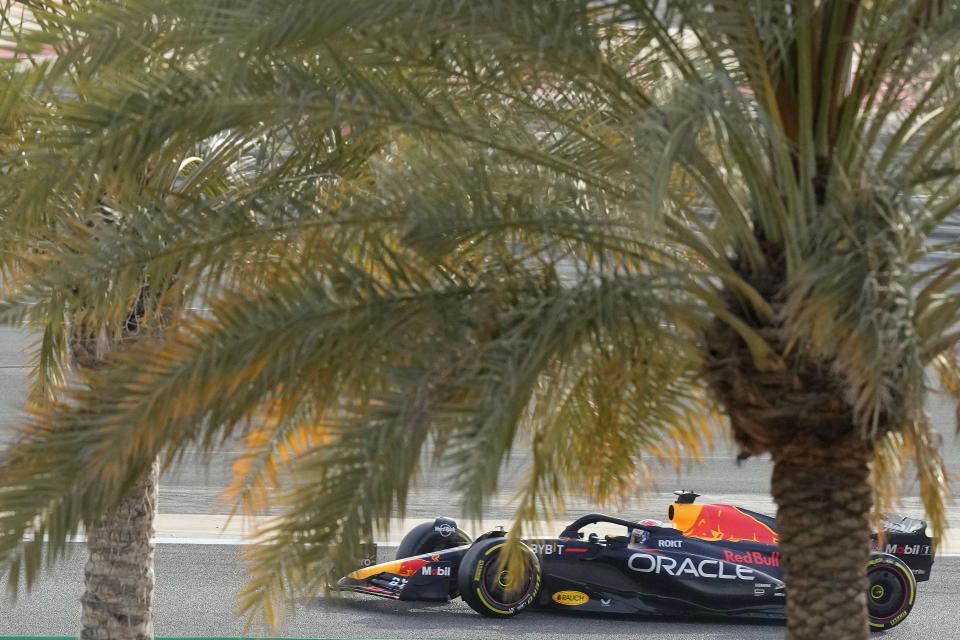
661, 572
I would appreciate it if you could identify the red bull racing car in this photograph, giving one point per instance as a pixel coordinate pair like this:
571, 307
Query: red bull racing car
711, 559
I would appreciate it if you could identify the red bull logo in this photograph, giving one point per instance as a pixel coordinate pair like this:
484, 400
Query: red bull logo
404, 568
755, 557
720, 522
409, 567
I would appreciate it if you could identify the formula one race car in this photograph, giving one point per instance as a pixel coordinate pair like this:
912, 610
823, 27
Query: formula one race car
712, 559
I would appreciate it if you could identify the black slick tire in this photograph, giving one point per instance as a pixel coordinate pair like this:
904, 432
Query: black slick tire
891, 591
487, 586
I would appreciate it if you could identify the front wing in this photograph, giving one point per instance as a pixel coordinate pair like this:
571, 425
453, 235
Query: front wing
431, 576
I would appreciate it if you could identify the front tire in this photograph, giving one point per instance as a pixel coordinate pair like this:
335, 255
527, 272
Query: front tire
890, 592
491, 590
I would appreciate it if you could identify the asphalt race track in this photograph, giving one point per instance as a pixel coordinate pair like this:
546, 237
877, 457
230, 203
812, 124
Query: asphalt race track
197, 582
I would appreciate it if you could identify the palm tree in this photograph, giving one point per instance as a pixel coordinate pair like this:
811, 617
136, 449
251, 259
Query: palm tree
581, 226
100, 313
118, 576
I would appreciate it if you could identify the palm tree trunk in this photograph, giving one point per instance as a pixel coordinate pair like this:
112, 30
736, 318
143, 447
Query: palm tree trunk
823, 520
118, 576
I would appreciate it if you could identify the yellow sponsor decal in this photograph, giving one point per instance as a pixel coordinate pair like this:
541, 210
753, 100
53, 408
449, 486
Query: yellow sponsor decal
570, 598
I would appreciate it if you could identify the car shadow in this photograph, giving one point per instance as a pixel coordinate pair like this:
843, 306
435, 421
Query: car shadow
561, 624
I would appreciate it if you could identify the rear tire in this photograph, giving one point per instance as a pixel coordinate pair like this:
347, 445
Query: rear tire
426, 537
489, 588
890, 592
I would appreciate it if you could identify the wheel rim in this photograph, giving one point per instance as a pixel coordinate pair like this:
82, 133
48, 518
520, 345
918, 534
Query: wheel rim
504, 588
887, 593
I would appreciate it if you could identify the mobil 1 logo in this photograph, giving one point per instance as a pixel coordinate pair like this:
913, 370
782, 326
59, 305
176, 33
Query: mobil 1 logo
908, 549
437, 569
